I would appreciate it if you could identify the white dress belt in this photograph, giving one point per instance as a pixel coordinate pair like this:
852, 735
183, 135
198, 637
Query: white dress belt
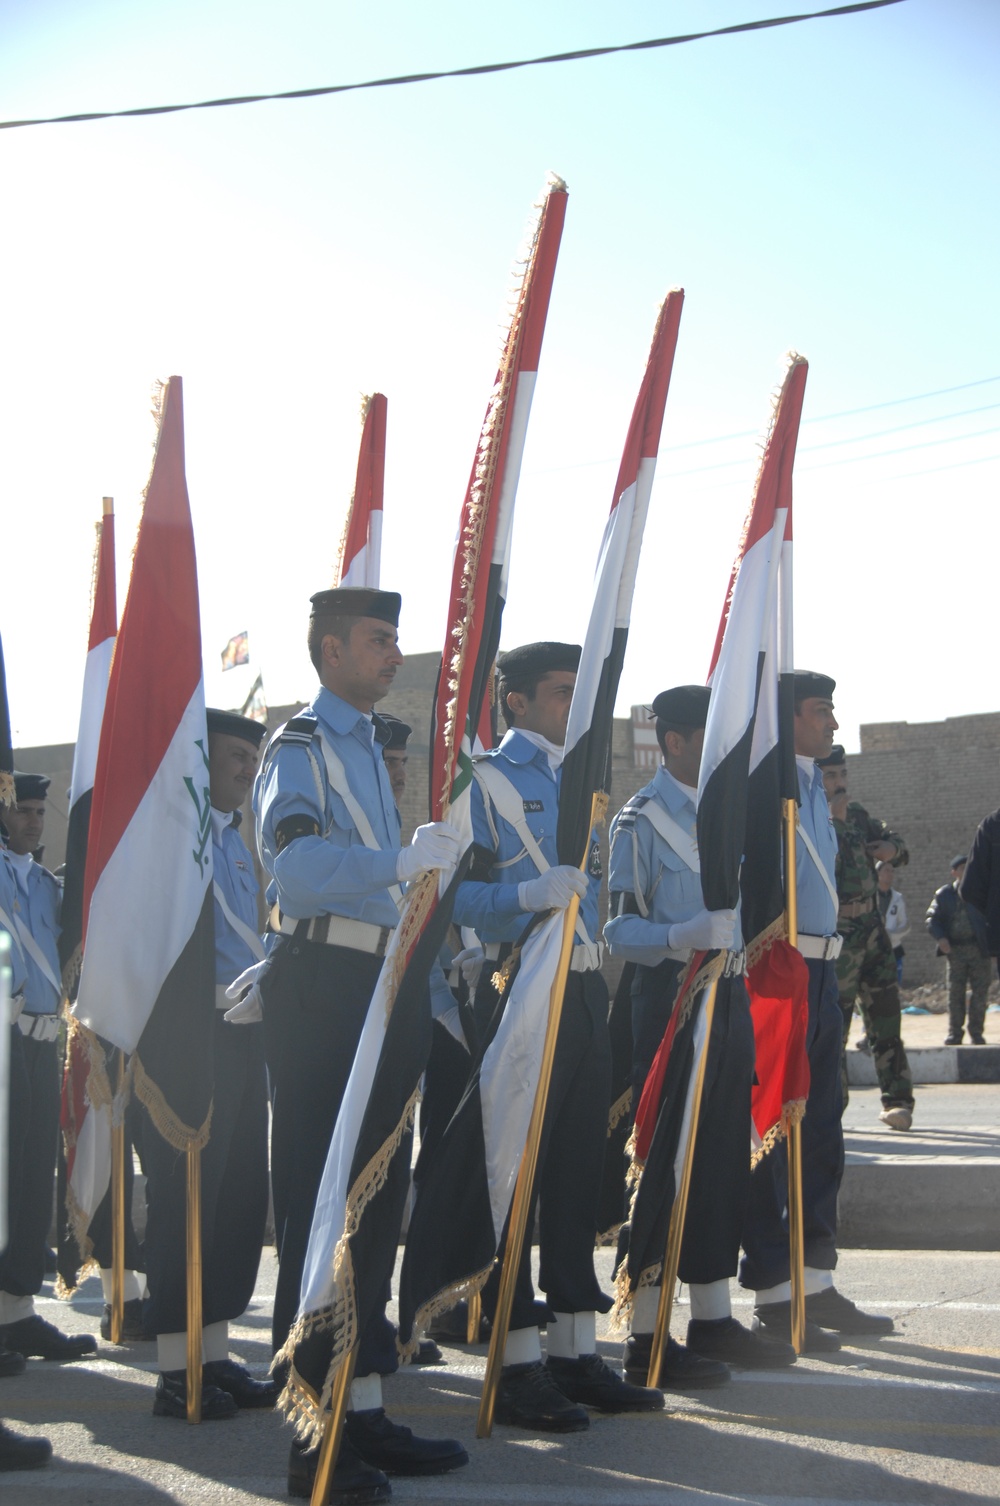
820, 948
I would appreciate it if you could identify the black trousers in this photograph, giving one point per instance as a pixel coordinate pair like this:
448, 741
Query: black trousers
720, 1174
315, 1001
233, 1191
33, 1134
766, 1257
570, 1160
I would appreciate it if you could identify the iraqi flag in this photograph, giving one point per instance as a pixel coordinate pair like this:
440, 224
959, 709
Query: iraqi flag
85, 1115
148, 978
359, 1207
746, 767
361, 550
465, 1192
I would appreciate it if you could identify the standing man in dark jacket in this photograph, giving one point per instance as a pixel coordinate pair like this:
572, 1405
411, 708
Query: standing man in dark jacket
960, 933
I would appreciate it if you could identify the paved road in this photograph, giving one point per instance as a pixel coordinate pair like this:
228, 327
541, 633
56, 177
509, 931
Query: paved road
912, 1419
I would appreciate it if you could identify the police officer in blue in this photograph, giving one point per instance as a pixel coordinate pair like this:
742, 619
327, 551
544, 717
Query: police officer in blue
34, 915
765, 1265
328, 832
516, 874
234, 1162
657, 919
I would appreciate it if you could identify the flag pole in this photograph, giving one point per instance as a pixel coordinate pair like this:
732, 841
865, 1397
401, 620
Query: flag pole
118, 1216
793, 1127
675, 1234
333, 1431
529, 1161
474, 1319
194, 1314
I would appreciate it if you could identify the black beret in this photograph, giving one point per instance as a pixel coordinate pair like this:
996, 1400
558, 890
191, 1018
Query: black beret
811, 686
234, 725
834, 758
520, 665
684, 706
358, 601
398, 731
30, 786
958, 861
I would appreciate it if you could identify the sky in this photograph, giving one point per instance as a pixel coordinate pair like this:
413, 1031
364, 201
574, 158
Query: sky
828, 187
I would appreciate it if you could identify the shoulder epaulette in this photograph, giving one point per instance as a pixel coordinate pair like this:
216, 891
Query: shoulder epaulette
298, 730
626, 816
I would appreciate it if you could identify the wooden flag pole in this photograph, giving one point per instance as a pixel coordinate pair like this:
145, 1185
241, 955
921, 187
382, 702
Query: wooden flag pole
675, 1234
118, 1215
529, 1161
194, 1277
333, 1431
793, 1130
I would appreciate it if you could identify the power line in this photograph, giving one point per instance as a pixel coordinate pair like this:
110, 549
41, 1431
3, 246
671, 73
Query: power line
480, 68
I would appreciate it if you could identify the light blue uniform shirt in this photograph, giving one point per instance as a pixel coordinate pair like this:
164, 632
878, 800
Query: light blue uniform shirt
333, 873
817, 911
235, 877
8, 898
37, 903
492, 909
642, 861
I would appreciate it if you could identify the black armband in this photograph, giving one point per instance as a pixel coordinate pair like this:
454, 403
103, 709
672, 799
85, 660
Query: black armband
294, 826
483, 859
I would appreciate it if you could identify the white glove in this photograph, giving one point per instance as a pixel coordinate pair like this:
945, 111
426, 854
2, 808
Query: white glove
436, 845
709, 930
553, 889
246, 989
471, 962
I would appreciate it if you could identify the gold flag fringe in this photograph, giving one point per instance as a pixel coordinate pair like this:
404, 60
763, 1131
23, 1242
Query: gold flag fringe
619, 1109
763, 942
792, 1112
6, 788
444, 1301
102, 1099
298, 1401
420, 901
176, 1133
71, 975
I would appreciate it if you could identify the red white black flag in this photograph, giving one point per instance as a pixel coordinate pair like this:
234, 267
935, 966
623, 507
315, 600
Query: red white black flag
361, 550
148, 979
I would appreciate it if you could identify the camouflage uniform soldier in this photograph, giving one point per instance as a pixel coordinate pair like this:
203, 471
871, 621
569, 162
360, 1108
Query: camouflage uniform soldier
866, 967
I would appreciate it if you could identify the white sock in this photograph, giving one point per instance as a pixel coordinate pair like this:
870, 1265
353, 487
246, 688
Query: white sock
645, 1306
172, 1351
815, 1281
523, 1346
366, 1393
215, 1341
13, 1309
710, 1300
570, 1335
132, 1288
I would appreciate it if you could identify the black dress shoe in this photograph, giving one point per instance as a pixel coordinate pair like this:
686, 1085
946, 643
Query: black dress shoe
978, 1040
774, 1321
727, 1340
22, 1453
681, 1370
354, 1482
11, 1362
36, 1339
395, 1450
171, 1399
831, 1309
427, 1354
238, 1383
528, 1397
133, 1329
590, 1381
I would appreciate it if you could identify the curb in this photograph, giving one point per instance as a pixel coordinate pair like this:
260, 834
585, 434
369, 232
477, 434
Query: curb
930, 1064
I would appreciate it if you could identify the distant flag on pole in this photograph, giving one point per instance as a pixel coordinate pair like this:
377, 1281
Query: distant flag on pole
361, 549
475, 1165
86, 1096
255, 705
236, 651
148, 979
360, 1203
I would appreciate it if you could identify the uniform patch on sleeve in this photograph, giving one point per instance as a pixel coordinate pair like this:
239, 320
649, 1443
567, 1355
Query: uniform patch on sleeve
294, 826
594, 860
